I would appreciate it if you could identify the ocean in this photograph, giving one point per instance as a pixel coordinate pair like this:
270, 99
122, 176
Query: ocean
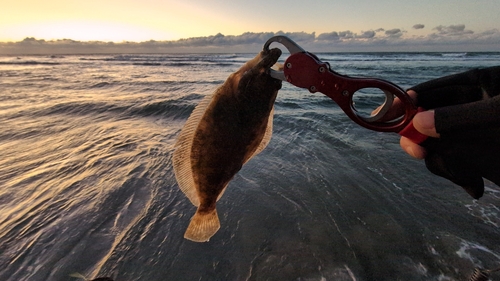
87, 184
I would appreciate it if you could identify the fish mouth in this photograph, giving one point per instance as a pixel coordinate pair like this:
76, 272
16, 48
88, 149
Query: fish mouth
269, 58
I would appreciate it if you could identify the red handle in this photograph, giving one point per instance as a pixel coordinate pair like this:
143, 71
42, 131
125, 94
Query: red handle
410, 132
305, 70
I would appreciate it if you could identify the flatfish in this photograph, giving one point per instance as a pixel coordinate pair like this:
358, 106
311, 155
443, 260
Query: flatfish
224, 131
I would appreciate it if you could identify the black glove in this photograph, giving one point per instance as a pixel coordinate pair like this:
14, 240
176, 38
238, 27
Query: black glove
467, 117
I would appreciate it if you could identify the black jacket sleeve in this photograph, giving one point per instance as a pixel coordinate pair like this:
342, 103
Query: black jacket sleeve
478, 115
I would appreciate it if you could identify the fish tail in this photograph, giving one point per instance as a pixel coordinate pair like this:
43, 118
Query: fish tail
202, 226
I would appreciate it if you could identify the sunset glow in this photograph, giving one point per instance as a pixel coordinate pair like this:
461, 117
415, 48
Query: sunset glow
445, 21
87, 31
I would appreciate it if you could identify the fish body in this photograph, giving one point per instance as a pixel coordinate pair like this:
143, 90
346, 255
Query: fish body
224, 131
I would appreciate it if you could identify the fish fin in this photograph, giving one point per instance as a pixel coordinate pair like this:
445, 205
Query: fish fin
269, 133
222, 192
267, 136
78, 275
202, 226
182, 152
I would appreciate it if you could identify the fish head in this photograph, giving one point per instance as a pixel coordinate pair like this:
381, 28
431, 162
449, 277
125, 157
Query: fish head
253, 80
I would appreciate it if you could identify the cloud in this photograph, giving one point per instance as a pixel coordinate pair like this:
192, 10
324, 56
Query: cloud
447, 38
367, 34
331, 36
220, 40
346, 34
453, 30
489, 32
396, 32
418, 26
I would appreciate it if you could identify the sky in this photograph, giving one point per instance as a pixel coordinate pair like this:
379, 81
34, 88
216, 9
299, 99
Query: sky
221, 25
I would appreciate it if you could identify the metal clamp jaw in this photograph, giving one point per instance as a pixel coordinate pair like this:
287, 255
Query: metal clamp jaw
290, 45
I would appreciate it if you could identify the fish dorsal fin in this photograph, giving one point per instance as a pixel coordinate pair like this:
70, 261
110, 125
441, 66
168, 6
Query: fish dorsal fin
182, 154
267, 136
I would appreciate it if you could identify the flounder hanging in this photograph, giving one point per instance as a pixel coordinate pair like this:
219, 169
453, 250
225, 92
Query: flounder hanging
224, 131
